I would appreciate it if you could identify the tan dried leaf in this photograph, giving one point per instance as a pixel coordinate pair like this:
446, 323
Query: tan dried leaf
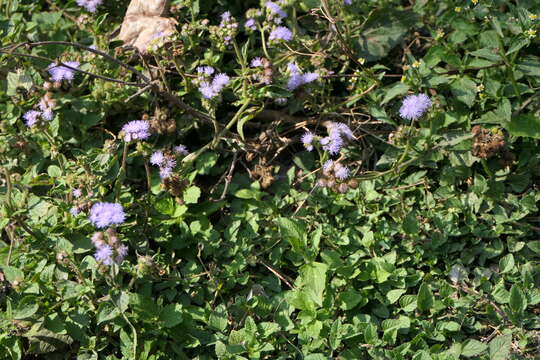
144, 23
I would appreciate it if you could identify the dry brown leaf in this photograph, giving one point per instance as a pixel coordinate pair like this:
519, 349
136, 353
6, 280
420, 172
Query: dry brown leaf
144, 23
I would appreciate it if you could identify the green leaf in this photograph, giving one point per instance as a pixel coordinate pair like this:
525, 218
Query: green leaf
350, 298
506, 264
499, 347
472, 347
191, 195
334, 338
370, 334
13, 274
425, 298
54, 171
294, 232
464, 89
27, 307
312, 281
18, 80
394, 295
518, 301
534, 246
383, 30
526, 125
171, 315
218, 318
396, 90
410, 224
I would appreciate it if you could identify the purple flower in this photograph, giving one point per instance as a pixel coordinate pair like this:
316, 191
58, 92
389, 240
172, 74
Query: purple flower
165, 172
327, 165
332, 144
348, 2
307, 140
104, 254
136, 130
31, 117
59, 72
310, 77
281, 33
74, 211
206, 70
157, 158
295, 81
414, 106
293, 68
121, 253
47, 114
226, 16
256, 62
89, 5
276, 9
250, 24
181, 149
220, 81
77, 193
104, 214
341, 129
207, 90
341, 172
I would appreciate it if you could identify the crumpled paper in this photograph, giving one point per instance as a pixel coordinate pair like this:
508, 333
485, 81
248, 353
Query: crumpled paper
144, 23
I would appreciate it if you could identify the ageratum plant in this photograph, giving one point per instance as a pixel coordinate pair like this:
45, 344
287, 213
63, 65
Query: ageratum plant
292, 179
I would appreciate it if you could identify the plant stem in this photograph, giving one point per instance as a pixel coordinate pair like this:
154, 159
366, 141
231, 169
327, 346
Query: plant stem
122, 173
265, 50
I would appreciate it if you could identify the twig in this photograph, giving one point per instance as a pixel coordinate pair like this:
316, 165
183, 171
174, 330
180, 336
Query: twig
140, 91
281, 277
227, 177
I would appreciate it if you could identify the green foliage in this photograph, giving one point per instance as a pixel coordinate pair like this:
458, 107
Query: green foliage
430, 252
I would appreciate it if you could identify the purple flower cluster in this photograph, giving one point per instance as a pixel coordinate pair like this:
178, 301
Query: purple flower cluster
211, 89
276, 9
338, 133
298, 79
250, 24
340, 171
167, 163
59, 72
104, 214
136, 130
307, 140
281, 33
414, 106
347, 2
89, 5
109, 251
256, 62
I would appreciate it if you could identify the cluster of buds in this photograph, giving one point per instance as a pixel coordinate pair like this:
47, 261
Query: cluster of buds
336, 177
109, 248
251, 23
400, 135
266, 73
274, 13
80, 204
166, 160
46, 105
224, 34
161, 122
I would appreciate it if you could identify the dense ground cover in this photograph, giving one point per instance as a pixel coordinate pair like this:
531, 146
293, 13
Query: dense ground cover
297, 179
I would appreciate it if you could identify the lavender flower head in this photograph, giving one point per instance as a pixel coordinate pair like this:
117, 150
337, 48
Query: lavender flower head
74, 211
104, 214
307, 140
250, 24
414, 106
31, 117
281, 33
181, 149
347, 2
338, 133
276, 9
157, 158
205, 70
89, 5
77, 193
298, 79
136, 130
341, 172
104, 254
59, 72
211, 90
256, 62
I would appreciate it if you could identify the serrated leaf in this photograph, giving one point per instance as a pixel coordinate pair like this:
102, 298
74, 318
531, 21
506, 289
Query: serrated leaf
518, 301
526, 125
506, 264
499, 347
464, 89
218, 318
312, 281
191, 195
394, 295
473, 347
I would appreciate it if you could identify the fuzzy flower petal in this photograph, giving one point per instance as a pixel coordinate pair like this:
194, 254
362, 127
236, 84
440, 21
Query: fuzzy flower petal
104, 214
414, 106
281, 33
136, 130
